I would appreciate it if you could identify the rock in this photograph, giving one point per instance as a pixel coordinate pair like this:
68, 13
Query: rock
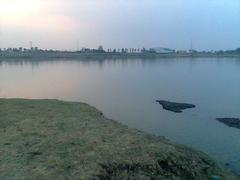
175, 107
227, 164
231, 122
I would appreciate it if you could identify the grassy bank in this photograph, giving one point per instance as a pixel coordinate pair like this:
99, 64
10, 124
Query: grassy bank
50, 139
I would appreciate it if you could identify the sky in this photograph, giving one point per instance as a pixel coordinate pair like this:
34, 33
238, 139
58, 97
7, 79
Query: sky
59, 24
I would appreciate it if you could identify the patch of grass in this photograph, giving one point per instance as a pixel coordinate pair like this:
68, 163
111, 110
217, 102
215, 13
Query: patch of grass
51, 139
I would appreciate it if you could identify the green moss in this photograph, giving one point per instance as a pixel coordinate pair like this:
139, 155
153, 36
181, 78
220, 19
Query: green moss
51, 139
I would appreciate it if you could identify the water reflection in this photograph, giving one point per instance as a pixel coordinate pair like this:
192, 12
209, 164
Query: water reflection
100, 62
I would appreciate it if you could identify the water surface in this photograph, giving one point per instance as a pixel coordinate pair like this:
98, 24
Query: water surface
126, 90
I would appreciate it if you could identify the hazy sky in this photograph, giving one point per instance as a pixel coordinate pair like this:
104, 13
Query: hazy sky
57, 24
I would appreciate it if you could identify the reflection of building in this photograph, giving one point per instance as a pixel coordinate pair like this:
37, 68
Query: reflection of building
162, 50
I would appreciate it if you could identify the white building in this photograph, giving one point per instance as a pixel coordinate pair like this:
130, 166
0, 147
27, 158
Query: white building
161, 50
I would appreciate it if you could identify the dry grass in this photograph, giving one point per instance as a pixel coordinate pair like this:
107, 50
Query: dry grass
51, 139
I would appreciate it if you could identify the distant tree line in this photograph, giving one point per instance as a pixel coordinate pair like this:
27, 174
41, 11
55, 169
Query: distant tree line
236, 51
35, 51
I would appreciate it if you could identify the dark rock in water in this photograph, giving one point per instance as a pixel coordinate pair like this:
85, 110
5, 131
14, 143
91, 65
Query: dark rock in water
231, 122
227, 164
175, 107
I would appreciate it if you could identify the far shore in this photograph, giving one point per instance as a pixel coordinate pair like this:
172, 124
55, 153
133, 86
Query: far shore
77, 55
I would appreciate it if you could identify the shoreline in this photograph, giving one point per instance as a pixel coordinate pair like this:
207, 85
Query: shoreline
76, 55
56, 139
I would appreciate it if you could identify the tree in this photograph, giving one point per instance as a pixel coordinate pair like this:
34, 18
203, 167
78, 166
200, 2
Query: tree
238, 50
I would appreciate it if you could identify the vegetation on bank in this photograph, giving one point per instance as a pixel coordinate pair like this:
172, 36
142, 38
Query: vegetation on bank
35, 53
51, 139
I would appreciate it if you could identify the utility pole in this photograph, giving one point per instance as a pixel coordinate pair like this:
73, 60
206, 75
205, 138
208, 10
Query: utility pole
191, 46
77, 45
31, 45
0, 29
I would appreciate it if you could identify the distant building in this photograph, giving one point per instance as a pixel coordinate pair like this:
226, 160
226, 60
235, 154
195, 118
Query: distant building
192, 51
161, 50
85, 50
182, 52
100, 48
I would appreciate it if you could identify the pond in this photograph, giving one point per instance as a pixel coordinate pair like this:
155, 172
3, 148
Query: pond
126, 90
